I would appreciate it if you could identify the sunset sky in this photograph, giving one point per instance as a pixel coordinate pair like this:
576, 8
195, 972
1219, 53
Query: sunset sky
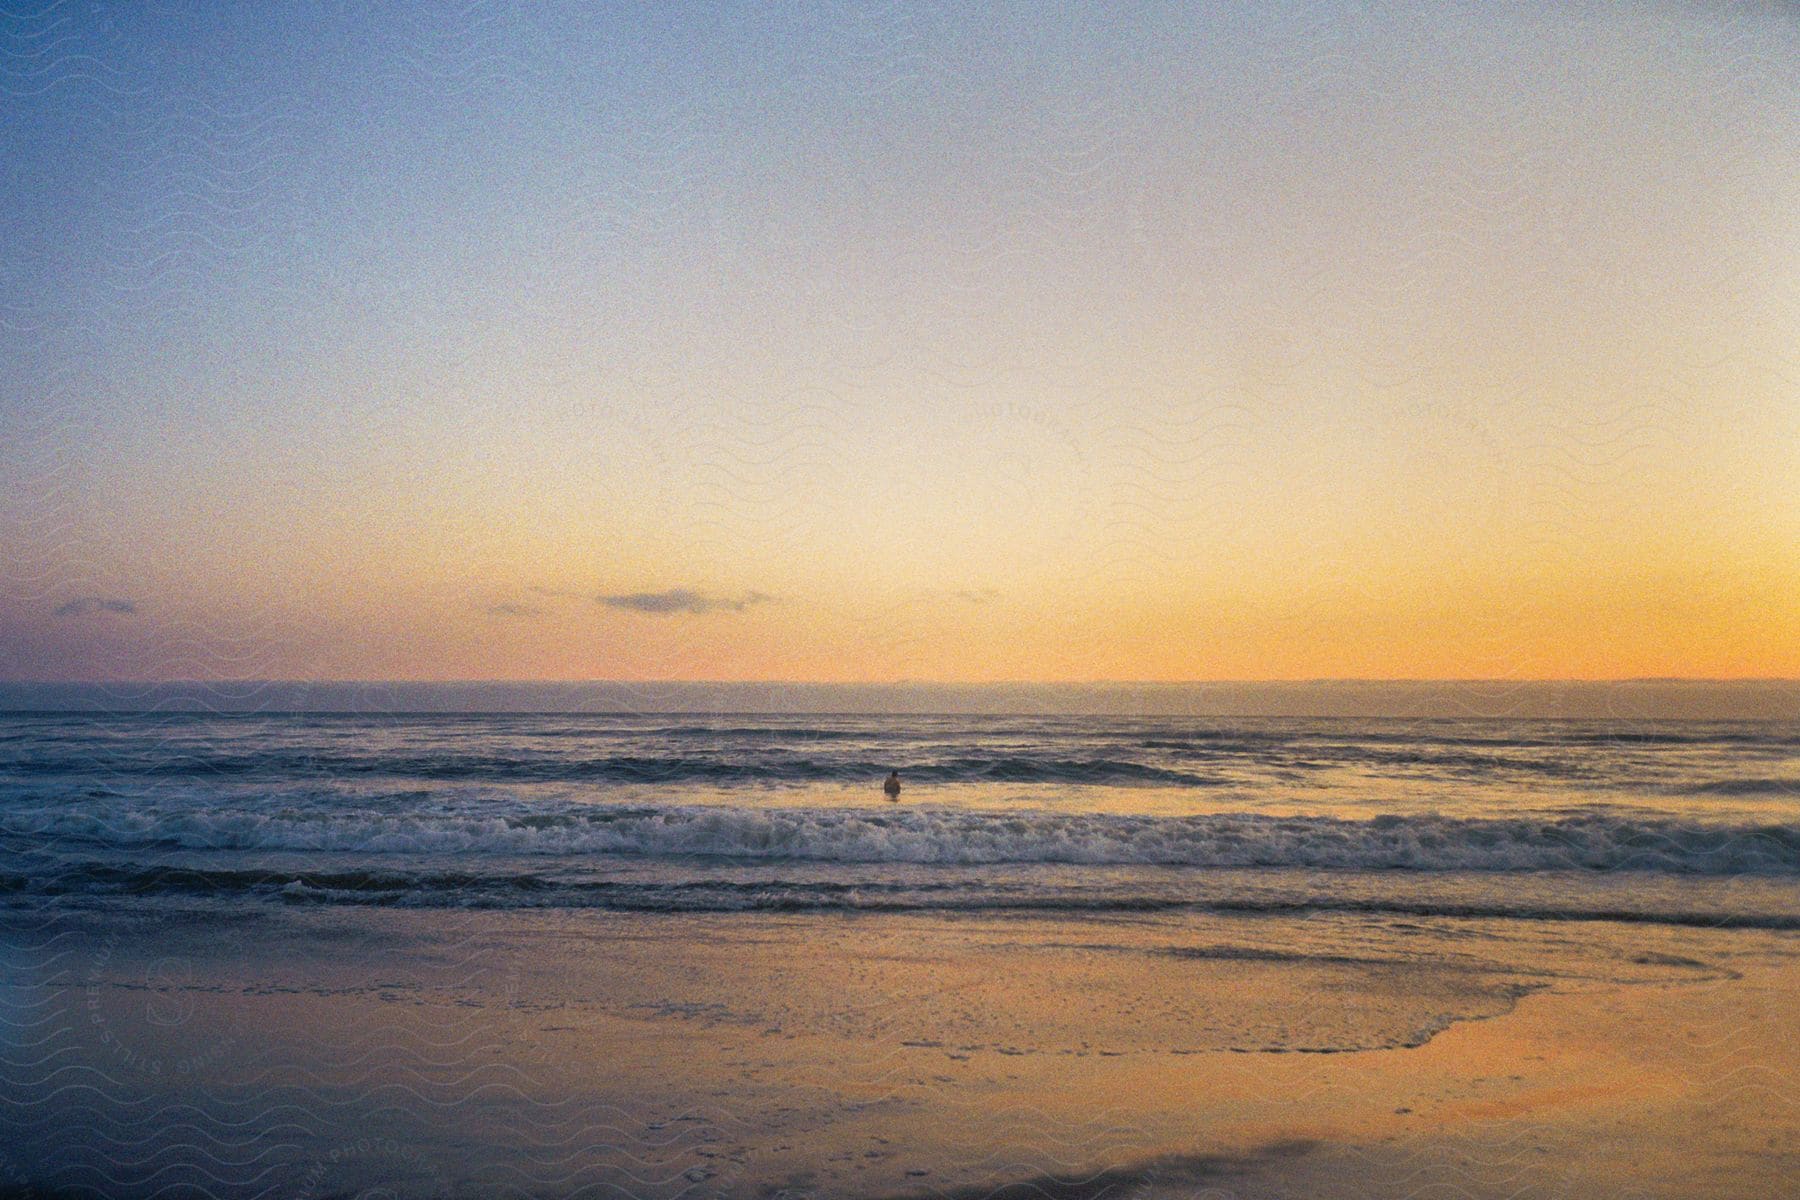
941, 342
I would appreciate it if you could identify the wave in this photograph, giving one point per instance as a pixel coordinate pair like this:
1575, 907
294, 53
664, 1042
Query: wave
756, 768
1744, 787
941, 836
742, 751
514, 889
750, 756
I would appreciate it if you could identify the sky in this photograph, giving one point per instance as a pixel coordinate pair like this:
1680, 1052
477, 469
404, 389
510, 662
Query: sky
927, 342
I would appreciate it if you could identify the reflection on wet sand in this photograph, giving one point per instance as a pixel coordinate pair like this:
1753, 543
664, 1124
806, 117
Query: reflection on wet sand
460, 1053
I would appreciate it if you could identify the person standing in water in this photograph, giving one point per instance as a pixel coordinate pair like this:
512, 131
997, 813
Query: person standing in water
892, 786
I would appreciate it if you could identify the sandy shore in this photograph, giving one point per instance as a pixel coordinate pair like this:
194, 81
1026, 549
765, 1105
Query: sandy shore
316, 1052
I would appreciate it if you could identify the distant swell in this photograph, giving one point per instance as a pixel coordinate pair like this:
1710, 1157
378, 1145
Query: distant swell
670, 768
1412, 843
1745, 787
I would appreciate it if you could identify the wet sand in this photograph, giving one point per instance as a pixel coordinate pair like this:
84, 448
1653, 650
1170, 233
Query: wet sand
319, 1052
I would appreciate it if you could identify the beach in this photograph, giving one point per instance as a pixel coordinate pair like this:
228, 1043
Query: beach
280, 956
423, 1054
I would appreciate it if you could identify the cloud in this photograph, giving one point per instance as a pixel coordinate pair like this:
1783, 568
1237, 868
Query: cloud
682, 600
507, 608
976, 595
82, 606
953, 596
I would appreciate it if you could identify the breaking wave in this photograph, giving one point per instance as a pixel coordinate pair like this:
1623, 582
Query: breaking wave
926, 836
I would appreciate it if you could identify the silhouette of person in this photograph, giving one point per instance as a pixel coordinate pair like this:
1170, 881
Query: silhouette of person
892, 786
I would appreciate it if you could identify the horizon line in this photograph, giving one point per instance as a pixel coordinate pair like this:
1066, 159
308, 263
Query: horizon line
910, 682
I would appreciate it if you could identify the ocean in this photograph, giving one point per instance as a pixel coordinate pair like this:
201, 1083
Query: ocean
1677, 821
1326, 884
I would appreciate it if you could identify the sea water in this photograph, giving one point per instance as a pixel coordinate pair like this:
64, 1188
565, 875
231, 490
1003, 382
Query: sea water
1673, 822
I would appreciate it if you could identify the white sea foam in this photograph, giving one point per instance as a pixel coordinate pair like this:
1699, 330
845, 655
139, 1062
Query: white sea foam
926, 835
